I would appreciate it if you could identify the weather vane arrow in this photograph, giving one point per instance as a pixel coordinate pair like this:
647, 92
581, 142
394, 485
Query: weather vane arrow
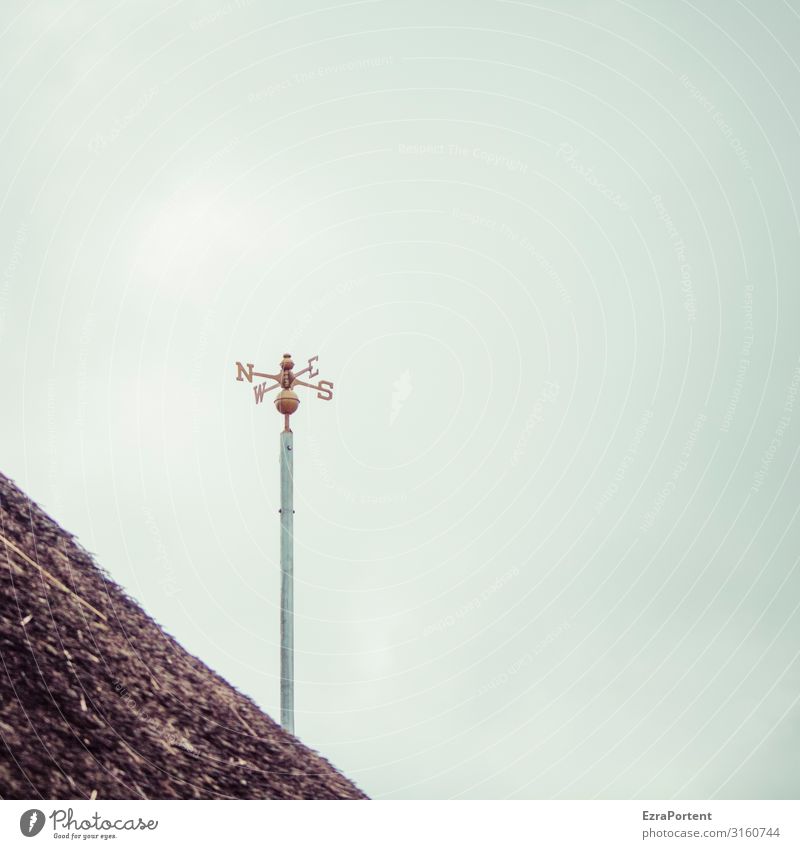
286, 403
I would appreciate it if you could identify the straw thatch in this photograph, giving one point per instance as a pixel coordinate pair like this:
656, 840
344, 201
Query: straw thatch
97, 701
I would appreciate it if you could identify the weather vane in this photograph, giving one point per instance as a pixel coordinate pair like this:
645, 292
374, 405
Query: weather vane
286, 403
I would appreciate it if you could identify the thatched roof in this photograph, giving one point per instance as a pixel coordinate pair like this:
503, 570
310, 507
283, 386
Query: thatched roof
95, 699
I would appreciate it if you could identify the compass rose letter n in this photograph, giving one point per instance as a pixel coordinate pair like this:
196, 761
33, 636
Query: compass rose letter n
286, 403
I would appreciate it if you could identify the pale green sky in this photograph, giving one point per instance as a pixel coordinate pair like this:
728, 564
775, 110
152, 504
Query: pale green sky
548, 255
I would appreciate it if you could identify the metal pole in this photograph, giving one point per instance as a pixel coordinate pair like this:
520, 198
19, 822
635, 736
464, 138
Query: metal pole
286, 404
287, 581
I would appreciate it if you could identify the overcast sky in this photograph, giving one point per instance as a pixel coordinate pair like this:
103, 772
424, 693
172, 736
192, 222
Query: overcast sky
548, 255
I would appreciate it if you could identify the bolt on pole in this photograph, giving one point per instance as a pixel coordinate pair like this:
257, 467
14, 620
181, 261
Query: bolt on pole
286, 404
